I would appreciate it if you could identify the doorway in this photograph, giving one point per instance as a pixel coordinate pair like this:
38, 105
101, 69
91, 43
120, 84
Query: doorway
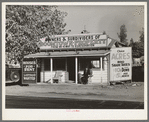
71, 68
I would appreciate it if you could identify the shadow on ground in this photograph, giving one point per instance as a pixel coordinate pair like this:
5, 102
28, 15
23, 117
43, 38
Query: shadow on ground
15, 83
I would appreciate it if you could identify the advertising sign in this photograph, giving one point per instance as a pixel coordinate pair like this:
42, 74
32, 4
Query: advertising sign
75, 41
121, 64
29, 70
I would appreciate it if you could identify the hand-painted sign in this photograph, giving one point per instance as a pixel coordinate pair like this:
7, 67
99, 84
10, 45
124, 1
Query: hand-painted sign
120, 64
29, 70
75, 41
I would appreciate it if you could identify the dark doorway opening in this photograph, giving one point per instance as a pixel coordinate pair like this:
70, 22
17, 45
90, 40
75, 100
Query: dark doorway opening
38, 74
71, 68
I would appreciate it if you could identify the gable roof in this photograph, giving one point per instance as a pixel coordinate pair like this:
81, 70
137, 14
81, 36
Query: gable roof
112, 43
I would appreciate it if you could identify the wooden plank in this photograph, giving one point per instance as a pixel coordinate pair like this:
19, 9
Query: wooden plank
48, 77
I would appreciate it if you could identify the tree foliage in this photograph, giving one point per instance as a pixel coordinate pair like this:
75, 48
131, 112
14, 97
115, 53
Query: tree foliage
123, 34
131, 42
27, 24
104, 32
138, 47
142, 35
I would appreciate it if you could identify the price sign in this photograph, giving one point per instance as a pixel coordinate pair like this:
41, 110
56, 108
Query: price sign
120, 64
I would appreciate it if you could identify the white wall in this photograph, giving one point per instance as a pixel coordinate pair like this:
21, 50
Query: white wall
47, 75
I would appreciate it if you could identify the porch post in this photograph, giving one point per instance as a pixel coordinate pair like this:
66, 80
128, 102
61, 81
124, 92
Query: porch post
101, 68
43, 70
101, 62
51, 65
76, 67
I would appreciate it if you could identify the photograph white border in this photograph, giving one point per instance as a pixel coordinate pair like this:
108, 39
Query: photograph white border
83, 114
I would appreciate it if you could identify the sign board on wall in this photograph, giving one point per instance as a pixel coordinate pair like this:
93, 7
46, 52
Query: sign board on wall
121, 64
74, 41
29, 70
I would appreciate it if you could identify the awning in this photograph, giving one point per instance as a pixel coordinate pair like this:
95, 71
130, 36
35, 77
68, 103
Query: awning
69, 54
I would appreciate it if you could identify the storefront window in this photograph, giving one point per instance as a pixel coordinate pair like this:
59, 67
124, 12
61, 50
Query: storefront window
95, 64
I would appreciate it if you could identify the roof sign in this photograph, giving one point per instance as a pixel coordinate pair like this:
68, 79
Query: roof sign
84, 40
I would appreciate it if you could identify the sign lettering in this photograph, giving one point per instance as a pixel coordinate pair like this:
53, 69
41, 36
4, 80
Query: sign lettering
29, 71
74, 41
120, 64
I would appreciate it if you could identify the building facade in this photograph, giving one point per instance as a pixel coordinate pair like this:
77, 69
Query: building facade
71, 54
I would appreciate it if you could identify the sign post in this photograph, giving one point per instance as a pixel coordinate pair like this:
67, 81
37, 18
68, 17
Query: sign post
121, 64
29, 71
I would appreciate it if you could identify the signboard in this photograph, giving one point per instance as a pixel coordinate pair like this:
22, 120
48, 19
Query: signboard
121, 64
29, 70
75, 41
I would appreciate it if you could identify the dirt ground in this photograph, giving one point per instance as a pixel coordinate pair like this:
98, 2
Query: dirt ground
128, 92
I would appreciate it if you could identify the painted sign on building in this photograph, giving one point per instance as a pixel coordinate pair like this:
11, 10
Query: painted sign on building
74, 41
121, 64
29, 70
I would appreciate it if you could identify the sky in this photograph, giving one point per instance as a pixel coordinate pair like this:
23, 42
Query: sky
99, 18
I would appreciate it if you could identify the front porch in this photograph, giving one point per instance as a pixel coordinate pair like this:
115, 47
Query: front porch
72, 68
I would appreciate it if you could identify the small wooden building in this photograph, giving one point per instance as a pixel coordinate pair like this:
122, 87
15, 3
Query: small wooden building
70, 54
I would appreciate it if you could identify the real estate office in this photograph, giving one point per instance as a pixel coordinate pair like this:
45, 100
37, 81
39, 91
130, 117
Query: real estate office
70, 54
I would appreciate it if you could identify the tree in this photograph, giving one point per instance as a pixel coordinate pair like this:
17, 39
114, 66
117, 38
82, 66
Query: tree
104, 32
141, 35
27, 24
138, 47
123, 34
131, 42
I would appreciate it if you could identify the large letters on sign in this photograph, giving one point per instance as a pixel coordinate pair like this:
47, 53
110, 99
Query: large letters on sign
120, 64
77, 41
29, 71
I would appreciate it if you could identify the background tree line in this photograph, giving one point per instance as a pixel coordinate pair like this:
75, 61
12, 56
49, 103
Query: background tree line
137, 46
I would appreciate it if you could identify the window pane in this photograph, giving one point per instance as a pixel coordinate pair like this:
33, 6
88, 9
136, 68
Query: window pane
95, 64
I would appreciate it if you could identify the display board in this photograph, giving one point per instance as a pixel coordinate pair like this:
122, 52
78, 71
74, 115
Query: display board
121, 64
74, 41
29, 71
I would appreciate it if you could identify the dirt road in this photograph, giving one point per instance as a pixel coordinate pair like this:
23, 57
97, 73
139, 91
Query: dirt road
128, 92
68, 103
